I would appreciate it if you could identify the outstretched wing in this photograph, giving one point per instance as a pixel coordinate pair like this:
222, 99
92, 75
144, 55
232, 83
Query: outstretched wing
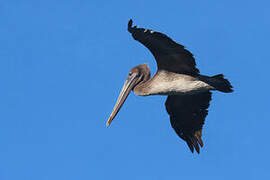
169, 55
187, 115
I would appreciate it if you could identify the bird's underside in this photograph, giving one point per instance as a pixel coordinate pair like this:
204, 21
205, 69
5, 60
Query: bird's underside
170, 83
177, 76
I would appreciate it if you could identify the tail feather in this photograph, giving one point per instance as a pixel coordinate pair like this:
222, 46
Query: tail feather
222, 84
218, 82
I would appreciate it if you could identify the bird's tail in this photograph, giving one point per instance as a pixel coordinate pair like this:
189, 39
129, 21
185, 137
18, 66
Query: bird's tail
219, 83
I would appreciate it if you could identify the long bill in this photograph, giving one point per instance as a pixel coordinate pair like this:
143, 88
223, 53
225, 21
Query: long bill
129, 84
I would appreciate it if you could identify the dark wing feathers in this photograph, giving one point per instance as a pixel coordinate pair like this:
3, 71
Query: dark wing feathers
169, 55
187, 115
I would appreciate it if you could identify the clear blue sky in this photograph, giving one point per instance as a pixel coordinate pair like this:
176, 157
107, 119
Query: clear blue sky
63, 63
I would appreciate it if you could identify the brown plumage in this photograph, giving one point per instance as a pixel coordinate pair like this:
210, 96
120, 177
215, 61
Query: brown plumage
177, 76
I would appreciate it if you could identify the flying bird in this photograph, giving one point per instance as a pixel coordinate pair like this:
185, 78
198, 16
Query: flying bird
189, 92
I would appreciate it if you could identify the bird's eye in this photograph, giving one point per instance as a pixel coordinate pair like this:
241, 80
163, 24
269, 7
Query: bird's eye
130, 73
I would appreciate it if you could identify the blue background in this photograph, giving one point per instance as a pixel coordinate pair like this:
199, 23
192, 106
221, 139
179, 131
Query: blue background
63, 63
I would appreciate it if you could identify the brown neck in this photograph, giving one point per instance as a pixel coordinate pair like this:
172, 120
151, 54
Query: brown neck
143, 87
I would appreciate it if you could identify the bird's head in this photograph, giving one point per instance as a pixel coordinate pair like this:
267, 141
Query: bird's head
136, 75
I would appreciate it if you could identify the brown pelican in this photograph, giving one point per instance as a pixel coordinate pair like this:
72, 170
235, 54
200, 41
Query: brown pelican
177, 76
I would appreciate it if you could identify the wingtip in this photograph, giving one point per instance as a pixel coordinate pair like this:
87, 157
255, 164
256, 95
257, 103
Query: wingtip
130, 22
198, 137
190, 146
130, 25
193, 143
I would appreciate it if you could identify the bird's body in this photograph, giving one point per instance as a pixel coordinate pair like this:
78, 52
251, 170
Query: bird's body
170, 83
177, 77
